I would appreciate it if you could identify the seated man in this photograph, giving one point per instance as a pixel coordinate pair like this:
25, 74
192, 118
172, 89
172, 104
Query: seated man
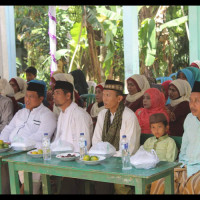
187, 176
6, 111
115, 121
72, 121
31, 123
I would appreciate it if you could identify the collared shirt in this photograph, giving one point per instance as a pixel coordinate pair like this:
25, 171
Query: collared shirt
73, 121
190, 147
6, 111
130, 127
164, 146
31, 125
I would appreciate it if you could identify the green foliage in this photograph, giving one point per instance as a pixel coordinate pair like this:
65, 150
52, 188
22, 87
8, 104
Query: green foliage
147, 40
32, 24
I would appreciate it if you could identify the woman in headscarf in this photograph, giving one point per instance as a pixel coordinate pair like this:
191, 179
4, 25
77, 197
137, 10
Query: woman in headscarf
196, 73
94, 108
186, 74
136, 85
153, 102
80, 83
7, 90
178, 109
19, 86
165, 87
196, 64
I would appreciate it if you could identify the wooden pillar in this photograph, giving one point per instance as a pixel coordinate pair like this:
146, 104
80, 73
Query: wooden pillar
131, 43
7, 43
194, 29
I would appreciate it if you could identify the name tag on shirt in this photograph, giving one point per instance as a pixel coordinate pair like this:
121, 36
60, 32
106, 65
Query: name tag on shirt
36, 122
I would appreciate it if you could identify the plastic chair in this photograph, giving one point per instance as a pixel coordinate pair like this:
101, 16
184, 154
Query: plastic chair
91, 87
90, 98
173, 74
163, 79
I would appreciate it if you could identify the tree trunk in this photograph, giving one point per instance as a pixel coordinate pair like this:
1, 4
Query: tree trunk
93, 52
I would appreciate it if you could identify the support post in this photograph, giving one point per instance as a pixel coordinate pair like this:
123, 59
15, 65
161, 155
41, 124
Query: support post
131, 44
7, 43
194, 30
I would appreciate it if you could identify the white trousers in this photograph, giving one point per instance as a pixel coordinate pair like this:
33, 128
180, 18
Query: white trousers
36, 181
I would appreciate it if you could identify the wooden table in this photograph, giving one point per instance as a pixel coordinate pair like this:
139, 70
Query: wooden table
4, 155
109, 171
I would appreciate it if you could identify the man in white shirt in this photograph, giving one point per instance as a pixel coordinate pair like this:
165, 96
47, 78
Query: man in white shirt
31, 123
113, 122
72, 121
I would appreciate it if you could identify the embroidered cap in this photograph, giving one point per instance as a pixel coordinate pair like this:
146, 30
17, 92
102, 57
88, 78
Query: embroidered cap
114, 85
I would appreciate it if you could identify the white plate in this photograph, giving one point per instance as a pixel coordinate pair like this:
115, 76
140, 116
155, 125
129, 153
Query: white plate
23, 148
96, 162
5, 149
67, 158
35, 155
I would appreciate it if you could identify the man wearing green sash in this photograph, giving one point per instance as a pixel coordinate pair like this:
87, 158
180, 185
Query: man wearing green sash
113, 122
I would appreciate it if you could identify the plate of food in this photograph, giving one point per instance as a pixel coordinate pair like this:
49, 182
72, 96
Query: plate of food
36, 153
68, 156
92, 159
4, 146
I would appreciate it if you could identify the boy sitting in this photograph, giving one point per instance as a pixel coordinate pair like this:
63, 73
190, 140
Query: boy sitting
164, 146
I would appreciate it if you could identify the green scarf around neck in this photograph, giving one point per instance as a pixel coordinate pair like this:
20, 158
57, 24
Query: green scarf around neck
111, 132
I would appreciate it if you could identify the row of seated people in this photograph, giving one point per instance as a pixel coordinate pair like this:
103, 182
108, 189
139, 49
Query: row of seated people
131, 128
75, 119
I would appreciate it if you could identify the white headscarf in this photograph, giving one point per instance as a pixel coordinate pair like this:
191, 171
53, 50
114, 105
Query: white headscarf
22, 86
184, 89
5, 88
143, 84
95, 109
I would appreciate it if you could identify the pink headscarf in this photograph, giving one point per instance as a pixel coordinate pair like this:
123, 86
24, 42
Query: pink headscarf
157, 106
165, 85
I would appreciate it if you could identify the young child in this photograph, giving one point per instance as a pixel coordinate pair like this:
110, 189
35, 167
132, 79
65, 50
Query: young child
31, 73
164, 145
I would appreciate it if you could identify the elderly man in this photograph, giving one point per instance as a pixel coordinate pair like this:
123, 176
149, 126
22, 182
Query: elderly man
113, 122
72, 121
31, 123
187, 177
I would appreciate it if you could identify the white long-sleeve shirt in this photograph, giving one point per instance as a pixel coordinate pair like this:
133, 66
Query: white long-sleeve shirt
30, 124
73, 121
130, 127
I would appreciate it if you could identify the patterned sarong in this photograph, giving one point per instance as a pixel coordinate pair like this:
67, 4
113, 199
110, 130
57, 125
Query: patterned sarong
182, 184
